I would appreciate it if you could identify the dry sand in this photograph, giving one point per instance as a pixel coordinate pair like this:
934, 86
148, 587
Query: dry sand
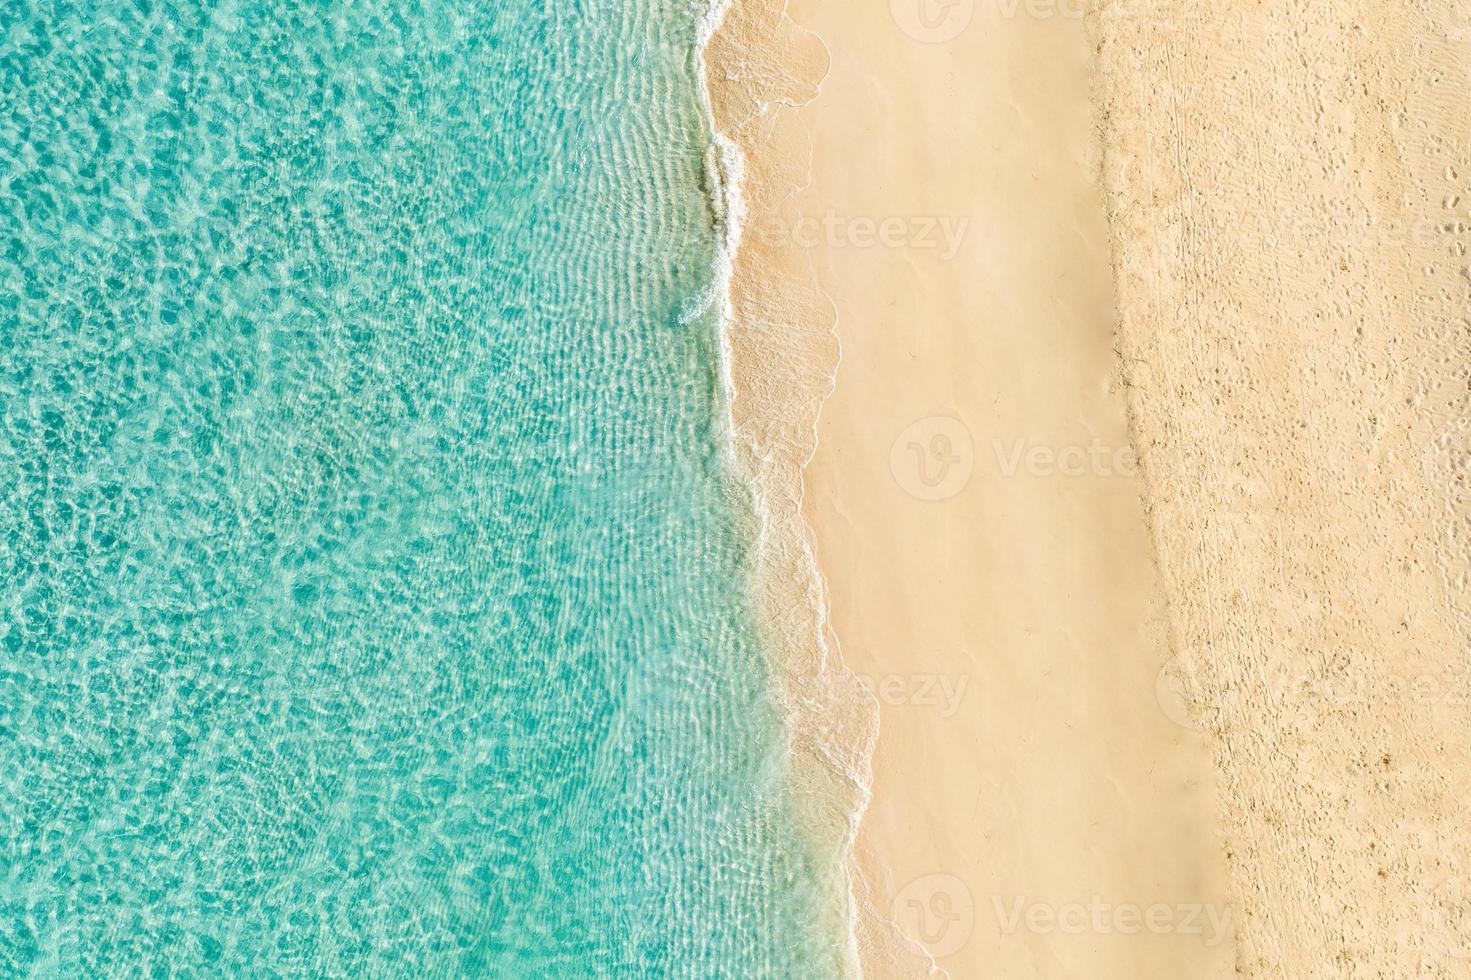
1202, 717
1289, 188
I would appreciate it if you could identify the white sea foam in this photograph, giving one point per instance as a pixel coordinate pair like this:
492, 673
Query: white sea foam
723, 173
725, 170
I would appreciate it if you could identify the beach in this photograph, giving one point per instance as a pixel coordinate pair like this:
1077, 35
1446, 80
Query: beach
976, 515
1106, 375
1288, 199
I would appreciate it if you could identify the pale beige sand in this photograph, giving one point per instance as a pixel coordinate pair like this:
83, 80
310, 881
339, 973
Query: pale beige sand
1034, 813
1209, 720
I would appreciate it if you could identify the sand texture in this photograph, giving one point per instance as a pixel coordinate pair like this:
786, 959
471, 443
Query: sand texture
1105, 382
1288, 191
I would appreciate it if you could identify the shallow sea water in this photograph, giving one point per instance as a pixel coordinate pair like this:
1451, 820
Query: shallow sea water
375, 585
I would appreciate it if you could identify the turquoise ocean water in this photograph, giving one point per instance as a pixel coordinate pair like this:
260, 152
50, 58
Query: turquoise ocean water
374, 590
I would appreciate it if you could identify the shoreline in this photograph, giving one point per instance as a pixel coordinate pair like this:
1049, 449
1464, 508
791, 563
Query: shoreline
830, 764
908, 794
1067, 659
